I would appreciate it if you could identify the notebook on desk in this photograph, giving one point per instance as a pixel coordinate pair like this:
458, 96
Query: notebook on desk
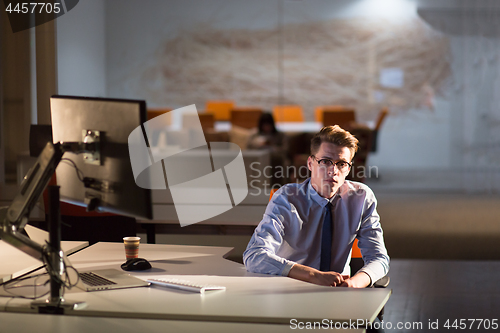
104, 279
108, 279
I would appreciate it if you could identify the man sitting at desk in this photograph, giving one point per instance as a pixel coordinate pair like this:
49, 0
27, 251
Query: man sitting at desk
308, 229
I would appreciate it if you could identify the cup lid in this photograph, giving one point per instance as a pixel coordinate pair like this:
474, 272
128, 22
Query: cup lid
134, 238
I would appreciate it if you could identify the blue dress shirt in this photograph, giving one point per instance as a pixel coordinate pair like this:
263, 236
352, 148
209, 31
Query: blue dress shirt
290, 231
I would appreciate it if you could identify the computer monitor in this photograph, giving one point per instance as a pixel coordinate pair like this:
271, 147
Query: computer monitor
91, 159
103, 182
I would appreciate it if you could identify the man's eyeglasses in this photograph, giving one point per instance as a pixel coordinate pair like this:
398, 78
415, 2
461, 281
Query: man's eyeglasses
342, 166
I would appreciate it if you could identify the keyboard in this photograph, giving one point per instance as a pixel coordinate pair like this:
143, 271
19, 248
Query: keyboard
185, 285
92, 279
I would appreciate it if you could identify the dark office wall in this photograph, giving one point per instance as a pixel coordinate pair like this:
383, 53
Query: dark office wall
81, 50
274, 52
171, 53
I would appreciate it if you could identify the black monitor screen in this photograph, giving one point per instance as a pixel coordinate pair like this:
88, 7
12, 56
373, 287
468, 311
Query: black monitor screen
104, 181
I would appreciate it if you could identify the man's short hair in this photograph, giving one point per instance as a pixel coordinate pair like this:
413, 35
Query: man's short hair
337, 136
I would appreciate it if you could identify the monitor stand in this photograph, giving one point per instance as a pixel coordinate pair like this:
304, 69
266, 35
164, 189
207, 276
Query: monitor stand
13, 220
55, 304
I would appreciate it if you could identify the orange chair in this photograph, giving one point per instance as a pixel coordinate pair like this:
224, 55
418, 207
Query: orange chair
318, 111
272, 193
155, 112
336, 115
246, 117
381, 117
292, 113
207, 120
220, 109
356, 257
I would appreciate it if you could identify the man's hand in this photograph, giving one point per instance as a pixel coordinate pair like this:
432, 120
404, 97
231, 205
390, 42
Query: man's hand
308, 274
359, 280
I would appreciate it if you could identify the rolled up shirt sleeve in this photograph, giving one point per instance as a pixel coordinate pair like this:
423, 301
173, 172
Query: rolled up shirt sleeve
260, 255
371, 241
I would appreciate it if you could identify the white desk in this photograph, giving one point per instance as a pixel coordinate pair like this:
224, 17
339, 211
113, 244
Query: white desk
284, 126
16, 322
299, 127
249, 298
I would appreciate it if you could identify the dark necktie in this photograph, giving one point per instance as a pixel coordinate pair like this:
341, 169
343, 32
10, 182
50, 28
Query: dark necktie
326, 240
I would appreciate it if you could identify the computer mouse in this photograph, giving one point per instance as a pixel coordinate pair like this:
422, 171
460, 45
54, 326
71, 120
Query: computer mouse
136, 264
